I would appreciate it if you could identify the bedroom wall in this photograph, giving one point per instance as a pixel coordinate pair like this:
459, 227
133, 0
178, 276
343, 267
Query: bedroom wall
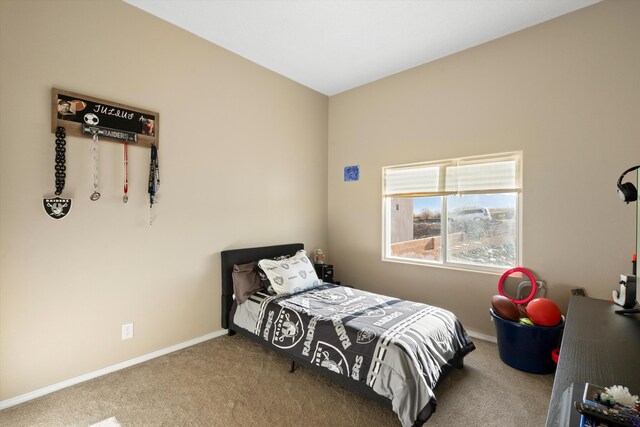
243, 160
565, 92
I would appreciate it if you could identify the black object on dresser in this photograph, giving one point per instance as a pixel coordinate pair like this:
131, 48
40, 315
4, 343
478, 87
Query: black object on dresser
324, 272
598, 347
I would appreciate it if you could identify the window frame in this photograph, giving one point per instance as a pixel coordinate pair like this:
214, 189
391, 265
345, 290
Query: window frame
444, 226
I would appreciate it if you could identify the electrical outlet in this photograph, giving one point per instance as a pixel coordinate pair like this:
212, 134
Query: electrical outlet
127, 331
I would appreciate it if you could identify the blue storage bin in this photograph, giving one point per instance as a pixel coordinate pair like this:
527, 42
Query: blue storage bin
526, 347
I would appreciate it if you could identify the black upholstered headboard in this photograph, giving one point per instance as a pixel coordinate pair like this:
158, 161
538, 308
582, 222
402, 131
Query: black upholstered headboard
243, 256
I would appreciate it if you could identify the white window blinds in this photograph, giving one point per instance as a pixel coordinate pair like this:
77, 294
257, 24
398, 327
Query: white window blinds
485, 174
413, 180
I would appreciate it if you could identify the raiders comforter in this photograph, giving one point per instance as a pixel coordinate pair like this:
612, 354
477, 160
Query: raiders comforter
397, 347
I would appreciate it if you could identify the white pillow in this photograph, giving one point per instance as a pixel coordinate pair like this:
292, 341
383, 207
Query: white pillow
291, 275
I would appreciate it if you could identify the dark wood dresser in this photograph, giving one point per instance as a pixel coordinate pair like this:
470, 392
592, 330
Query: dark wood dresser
599, 347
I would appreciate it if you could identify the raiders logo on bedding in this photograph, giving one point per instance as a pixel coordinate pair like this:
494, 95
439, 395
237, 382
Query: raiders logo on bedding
288, 329
360, 310
365, 336
328, 295
56, 207
373, 312
327, 356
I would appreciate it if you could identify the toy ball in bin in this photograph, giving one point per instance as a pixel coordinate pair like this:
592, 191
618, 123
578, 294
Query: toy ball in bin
505, 308
544, 312
522, 309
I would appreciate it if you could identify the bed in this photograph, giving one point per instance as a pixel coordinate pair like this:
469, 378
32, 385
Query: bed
392, 351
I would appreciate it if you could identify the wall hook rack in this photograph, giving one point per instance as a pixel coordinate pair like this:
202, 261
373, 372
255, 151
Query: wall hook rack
83, 115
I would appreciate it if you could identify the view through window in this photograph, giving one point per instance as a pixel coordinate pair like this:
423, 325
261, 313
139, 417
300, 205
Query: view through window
461, 212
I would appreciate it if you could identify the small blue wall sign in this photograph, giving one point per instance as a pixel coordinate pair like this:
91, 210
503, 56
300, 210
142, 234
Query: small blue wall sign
351, 173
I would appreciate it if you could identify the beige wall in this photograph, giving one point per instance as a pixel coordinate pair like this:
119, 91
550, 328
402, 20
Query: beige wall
250, 168
565, 92
243, 162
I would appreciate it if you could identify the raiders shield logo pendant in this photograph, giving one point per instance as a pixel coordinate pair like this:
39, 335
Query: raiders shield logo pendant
56, 207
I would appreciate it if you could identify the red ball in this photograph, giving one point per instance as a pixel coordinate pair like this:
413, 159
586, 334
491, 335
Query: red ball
505, 308
544, 312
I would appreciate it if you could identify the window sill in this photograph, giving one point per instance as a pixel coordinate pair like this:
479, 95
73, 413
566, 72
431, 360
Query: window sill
467, 269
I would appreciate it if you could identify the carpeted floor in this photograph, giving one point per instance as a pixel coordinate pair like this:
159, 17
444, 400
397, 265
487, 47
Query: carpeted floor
232, 381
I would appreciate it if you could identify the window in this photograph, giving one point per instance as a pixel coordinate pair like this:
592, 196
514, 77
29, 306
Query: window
461, 213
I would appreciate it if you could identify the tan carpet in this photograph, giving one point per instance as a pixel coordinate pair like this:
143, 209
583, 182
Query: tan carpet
232, 381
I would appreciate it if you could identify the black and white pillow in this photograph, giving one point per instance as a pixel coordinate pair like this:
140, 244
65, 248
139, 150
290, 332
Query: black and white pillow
265, 280
291, 275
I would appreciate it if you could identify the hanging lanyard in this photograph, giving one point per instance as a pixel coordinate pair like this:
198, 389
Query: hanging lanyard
95, 196
154, 180
125, 198
61, 168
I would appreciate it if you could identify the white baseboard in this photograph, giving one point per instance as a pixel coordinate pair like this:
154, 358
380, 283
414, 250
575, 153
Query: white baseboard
109, 369
482, 337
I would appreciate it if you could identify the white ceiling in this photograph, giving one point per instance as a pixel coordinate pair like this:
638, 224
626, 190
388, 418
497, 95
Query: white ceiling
335, 45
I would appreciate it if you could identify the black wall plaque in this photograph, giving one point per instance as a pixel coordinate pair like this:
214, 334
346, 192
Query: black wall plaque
73, 110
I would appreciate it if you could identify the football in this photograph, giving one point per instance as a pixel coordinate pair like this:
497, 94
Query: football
505, 308
91, 119
522, 309
544, 312
80, 105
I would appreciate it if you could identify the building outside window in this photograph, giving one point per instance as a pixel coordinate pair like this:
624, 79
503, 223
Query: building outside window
459, 213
